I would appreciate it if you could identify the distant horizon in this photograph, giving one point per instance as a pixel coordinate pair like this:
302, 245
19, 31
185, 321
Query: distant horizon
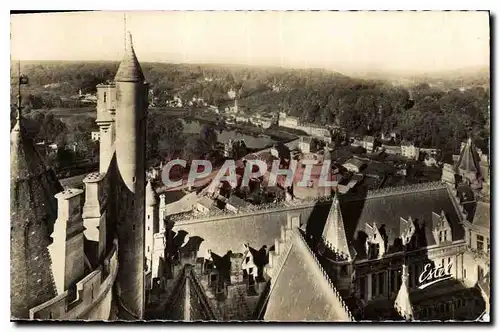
398, 43
389, 74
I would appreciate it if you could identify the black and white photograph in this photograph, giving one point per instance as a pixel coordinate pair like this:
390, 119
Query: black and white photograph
250, 166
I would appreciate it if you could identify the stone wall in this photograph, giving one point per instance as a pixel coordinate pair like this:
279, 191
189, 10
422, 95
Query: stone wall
91, 299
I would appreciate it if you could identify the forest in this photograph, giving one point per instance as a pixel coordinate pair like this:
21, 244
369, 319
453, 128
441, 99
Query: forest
438, 113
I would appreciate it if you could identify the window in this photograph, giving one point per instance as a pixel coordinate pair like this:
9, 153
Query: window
133, 227
148, 216
488, 244
104, 97
148, 248
148, 226
445, 238
442, 262
247, 260
440, 237
480, 242
465, 273
470, 238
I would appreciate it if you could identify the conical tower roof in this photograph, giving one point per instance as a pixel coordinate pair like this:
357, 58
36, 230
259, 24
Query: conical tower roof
334, 234
33, 209
130, 70
469, 158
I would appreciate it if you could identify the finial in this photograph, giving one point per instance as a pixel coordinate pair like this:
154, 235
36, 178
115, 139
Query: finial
130, 45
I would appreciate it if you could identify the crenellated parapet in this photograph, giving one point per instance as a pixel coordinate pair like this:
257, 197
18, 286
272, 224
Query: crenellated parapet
254, 209
404, 189
91, 293
282, 246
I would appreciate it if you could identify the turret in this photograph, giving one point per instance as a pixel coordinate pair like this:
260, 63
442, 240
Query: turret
66, 249
131, 111
152, 222
94, 217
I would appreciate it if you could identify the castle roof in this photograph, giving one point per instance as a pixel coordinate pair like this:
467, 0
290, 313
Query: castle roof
190, 289
482, 216
333, 232
469, 159
302, 291
130, 70
33, 209
223, 234
385, 207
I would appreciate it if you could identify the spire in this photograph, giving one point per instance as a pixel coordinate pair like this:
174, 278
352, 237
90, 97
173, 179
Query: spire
403, 303
130, 69
469, 158
334, 233
151, 197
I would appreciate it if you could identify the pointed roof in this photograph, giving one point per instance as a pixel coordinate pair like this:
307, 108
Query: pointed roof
130, 70
151, 196
33, 211
469, 158
334, 234
403, 303
302, 291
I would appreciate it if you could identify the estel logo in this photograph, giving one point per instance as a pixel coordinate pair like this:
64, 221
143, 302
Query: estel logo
432, 275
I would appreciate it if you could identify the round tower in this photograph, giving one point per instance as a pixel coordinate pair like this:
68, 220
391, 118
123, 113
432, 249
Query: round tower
131, 111
152, 222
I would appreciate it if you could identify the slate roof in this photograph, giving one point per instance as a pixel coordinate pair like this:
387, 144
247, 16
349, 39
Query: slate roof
224, 234
306, 139
482, 216
387, 208
356, 162
237, 202
301, 291
130, 70
189, 290
469, 158
33, 211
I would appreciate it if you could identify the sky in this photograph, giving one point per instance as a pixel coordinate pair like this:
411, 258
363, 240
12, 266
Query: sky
421, 42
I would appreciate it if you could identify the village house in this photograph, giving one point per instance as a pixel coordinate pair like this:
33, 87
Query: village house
354, 165
409, 150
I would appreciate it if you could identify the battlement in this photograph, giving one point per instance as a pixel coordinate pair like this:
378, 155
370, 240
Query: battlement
87, 294
188, 218
405, 189
94, 177
68, 193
